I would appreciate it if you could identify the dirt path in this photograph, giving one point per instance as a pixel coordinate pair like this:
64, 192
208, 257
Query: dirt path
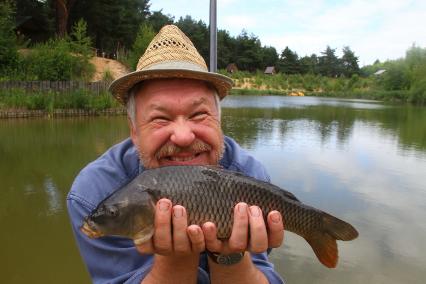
102, 65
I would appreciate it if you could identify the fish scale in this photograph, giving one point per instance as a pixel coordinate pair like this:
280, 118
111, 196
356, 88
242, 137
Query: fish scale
210, 194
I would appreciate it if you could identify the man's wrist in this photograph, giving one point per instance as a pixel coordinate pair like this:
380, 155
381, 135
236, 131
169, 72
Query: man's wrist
182, 269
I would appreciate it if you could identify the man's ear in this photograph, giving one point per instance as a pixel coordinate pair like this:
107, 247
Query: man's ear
133, 134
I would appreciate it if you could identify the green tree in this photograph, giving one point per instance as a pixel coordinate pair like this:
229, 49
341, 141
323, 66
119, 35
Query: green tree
41, 16
396, 76
112, 25
157, 20
269, 57
349, 62
247, 52
225, 49
329, 64
289, 62
143, 38
309, 64
80, 42
8, 47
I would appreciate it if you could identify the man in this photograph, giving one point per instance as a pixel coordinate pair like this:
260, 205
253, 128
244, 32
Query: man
174, 119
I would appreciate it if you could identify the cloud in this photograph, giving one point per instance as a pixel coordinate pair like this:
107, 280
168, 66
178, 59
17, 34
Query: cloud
374, 29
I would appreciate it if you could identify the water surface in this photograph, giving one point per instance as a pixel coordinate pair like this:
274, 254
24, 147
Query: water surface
362, 161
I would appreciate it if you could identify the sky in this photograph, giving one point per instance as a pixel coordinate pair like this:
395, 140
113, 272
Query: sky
373, 29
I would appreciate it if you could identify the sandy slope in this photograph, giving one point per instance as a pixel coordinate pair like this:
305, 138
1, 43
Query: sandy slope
102, 65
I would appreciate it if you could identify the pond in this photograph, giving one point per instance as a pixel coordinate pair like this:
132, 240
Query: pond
362, 161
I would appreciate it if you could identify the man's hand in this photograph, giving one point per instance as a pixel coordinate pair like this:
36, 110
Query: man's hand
248, 221
172, 236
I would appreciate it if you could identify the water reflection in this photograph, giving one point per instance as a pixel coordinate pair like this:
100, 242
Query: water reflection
247, 116
54, 197
365, 165
360, 160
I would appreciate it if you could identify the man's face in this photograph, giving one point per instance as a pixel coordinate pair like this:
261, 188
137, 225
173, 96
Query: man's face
177, 123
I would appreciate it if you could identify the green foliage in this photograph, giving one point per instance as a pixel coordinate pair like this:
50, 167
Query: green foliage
396, 76
143, 38
289, 62
80, 42
349, 62
157, 20
248, 52
328, 63
107, 76
54, 61
8, 46
78, 99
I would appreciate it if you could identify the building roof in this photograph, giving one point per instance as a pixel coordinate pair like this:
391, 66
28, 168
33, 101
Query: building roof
380, 72
270, 70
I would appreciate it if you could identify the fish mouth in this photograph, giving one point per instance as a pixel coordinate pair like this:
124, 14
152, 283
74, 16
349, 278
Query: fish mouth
90, 231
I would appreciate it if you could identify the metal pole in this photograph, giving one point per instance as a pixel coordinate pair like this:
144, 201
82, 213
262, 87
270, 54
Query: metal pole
213, 36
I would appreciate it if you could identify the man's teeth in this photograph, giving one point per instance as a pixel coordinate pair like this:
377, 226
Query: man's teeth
181, 159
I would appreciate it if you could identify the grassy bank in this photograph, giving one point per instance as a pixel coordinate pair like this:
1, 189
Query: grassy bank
355, 87
78, 99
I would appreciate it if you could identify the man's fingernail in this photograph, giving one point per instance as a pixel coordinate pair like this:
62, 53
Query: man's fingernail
178, 211
242, 208
275, 217
194, 232
164, 206
255, 211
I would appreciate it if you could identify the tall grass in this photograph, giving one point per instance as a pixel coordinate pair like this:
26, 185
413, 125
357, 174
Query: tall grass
78, 99
317, 85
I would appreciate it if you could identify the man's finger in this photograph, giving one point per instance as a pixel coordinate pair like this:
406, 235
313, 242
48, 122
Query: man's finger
162, 234
258, 235
181, 242
210, 236
238, 240
196, 237
275, 229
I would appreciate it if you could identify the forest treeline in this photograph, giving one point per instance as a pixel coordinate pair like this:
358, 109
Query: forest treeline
56, 30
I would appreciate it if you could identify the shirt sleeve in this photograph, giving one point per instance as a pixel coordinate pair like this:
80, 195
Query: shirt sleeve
262, 263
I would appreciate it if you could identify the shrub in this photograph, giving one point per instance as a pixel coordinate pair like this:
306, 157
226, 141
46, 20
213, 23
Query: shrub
8, 46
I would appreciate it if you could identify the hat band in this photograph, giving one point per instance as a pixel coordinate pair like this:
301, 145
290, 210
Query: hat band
176, 65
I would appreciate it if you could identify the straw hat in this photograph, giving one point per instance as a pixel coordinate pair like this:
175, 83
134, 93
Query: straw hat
170, 54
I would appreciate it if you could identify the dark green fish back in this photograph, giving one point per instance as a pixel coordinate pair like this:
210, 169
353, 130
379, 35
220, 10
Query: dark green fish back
210, 194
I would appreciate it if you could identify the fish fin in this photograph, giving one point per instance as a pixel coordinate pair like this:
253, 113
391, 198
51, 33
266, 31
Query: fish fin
338, 229
325, 248
289, 195
324, 242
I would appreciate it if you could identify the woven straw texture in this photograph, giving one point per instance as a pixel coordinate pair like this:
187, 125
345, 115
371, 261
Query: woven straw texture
170, 54
171, 44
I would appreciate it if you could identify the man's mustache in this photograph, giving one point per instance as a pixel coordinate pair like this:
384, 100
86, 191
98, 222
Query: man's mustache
170, 149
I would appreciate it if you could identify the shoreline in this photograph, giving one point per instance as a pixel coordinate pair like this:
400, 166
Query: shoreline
25, 112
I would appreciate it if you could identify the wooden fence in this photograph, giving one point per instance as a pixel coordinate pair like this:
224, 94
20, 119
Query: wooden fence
57, 86
60, 113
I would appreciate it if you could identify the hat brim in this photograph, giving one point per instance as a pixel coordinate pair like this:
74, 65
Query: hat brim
121, 86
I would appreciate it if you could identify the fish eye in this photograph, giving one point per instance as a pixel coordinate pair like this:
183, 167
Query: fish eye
112, 211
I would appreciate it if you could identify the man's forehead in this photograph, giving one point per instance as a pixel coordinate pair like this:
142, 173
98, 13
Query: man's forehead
193, 103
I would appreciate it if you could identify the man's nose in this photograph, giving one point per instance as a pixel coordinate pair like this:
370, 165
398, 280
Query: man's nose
182, 133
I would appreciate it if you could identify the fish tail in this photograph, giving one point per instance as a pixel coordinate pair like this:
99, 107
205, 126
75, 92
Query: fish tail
323, 242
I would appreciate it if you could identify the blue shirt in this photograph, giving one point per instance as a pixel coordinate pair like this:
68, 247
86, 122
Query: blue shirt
115, 259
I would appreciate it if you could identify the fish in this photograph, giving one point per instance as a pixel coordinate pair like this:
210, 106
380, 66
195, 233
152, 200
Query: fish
209, 193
